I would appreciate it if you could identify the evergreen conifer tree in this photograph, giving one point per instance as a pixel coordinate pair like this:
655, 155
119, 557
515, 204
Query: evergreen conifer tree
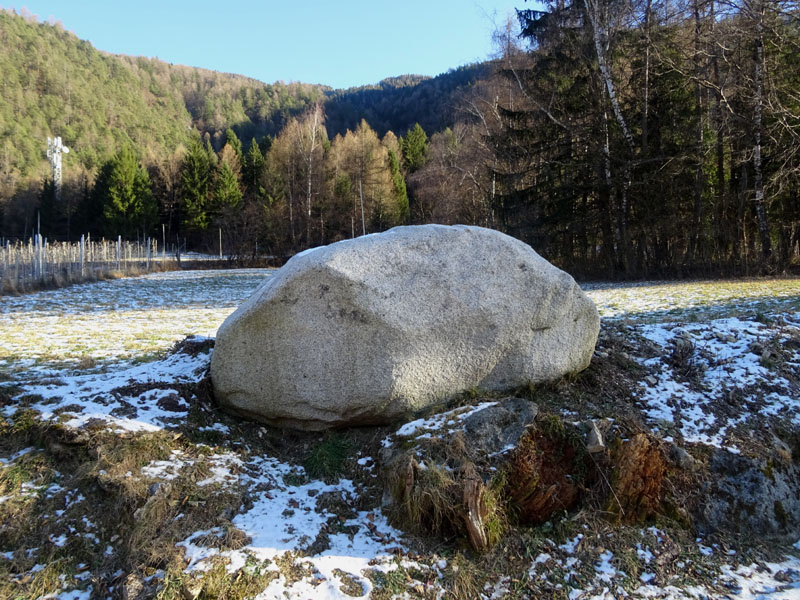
227, 193
415, 148
253, 166
195, 186
232, 139
128, 205
399, 184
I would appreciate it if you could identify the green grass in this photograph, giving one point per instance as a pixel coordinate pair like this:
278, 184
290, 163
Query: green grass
327, 459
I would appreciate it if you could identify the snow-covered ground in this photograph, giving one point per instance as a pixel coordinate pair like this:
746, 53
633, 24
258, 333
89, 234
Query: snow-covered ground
721, 339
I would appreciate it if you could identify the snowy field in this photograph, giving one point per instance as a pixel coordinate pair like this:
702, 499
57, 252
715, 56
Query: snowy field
119, 320
93, 357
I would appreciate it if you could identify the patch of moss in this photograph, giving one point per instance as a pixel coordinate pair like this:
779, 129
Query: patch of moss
780, 514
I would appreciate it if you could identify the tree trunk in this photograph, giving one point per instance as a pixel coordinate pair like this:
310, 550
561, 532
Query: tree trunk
310, 171
699, 177
758, 176
361, 196
623, 241
646, 90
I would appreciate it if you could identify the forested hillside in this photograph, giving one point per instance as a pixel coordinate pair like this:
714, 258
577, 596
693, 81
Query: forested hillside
397, 103
57, 84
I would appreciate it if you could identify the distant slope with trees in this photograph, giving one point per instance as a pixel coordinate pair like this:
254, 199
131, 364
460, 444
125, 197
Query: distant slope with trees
653, 139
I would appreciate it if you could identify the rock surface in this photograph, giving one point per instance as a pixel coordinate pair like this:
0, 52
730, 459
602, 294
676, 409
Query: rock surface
369, 330
751, 496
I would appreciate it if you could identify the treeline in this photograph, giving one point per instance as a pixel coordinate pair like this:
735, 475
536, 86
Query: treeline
629, 138
275, 198
55, 84
636, 137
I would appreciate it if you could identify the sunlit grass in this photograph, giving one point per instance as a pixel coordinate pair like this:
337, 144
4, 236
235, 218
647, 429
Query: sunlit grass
694, 300
123, 320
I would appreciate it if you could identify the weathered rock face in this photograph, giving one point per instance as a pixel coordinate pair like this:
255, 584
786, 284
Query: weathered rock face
366, 331
751, 496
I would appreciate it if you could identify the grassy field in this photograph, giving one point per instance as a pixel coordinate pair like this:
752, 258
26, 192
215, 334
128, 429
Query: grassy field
119, 477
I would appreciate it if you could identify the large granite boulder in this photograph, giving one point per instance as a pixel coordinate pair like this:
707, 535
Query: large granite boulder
366, 331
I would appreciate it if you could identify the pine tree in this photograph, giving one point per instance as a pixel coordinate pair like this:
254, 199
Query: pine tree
253, 166
415, 148
195, 186
128, 205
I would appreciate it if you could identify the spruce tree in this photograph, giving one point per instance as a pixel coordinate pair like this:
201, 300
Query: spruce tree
48, 218
399, 184
253, 166
232, 139
227, 193
195, 180
128, 205
415, 148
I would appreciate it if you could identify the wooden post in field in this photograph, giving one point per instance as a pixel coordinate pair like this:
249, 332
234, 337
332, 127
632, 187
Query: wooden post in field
164, 242
34, 263
83, 258
220, 243
119, 252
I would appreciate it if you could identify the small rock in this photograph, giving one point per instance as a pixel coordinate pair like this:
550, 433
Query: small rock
132, 588
594, 439
681, 458
756, 348
191, 590
782, 451
601, 354
651, 381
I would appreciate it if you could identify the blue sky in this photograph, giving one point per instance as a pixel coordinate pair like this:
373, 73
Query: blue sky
341, 44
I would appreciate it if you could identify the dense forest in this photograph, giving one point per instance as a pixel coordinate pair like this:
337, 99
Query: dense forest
651, 136
621, 138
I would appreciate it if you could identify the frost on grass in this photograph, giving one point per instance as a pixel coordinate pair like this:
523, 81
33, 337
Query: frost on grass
106, 323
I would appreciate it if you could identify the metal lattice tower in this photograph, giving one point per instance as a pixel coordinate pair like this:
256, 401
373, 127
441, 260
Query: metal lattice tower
54, 151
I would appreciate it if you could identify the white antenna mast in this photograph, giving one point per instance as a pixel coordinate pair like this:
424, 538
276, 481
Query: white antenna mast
54, 151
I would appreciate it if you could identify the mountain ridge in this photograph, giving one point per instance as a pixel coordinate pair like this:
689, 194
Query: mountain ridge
56, 84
